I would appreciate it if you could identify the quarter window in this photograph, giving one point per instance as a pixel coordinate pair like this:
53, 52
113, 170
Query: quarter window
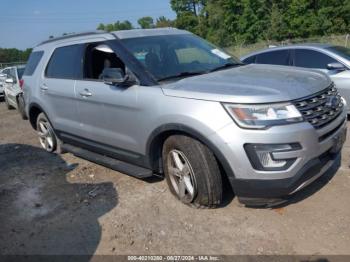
33, 62
280, 57
312, 59
66, 63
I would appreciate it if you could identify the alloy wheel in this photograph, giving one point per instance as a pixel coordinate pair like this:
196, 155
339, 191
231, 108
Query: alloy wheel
46, 135
181, 176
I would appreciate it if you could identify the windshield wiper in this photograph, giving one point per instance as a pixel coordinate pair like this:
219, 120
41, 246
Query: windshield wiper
183, 74
228, 65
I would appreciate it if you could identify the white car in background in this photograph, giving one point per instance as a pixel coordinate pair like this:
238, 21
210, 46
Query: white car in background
13, 93
2, 80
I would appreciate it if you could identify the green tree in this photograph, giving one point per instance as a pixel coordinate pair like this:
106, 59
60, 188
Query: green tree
162, 21
146, 22
117, 26
101, 27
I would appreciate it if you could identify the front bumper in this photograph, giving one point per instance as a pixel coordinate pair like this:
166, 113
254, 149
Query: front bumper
315, 157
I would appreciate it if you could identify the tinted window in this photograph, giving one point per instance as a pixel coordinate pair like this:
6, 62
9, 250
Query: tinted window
341, 51
250, 60
33, 62
280, 57
20, 72
65, 63
312, 59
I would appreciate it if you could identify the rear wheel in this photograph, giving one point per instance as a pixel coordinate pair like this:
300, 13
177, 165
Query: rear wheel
21, 107
47, 137
192, 172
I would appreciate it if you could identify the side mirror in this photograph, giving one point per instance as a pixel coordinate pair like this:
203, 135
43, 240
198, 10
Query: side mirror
336, 66
116, 76
9, 81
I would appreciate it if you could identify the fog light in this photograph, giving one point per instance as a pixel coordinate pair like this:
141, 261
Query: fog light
261, 158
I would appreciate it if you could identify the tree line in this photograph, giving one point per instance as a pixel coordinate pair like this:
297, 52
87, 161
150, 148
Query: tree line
228, 22
8, 55
232, 22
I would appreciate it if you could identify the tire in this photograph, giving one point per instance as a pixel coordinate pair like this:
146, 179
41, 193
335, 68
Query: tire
8, 106
47, 137
199, 167
21, 107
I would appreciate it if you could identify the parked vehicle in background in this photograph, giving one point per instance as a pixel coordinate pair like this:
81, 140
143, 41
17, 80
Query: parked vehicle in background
333, 60
2, 81
166, 102
13, 92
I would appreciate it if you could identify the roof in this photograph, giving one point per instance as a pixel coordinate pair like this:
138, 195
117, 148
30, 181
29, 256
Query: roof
97, 32
302, 45
149, 32
124, 34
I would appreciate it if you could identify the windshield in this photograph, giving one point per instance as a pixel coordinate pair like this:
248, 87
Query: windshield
170, 56
341, 51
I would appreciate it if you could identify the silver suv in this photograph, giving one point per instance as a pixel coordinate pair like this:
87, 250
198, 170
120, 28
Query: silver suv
166, 102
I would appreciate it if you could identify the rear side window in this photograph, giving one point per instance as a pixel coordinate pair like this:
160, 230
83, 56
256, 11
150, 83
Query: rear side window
66, 63
33, 62
312, 59
280, 57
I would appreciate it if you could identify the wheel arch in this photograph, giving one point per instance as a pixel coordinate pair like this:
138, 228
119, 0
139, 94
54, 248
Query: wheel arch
34, 111
157, 138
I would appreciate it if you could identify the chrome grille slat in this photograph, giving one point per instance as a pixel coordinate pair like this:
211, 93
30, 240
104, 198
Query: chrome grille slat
314, 108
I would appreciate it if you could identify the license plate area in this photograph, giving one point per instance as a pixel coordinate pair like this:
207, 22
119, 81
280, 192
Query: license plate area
338, 141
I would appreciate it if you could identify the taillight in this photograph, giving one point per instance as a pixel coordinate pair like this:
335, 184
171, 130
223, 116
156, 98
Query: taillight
21, 83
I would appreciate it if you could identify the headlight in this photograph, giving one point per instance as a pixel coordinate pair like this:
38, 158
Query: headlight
263, 116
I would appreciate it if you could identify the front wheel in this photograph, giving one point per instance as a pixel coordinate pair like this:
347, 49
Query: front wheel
192, 172
47, 137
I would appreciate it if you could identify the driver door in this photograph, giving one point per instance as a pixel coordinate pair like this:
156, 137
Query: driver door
108, 113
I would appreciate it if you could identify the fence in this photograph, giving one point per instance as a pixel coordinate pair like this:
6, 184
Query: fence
3, 65
242, 49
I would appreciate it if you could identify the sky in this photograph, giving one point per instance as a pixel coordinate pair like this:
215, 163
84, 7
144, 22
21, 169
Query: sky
25, 23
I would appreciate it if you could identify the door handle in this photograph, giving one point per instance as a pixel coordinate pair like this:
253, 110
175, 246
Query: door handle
85, 93
44, 87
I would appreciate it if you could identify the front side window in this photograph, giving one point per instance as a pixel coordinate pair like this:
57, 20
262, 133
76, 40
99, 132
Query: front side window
280, 57
97, 59
312, 59
65, 63
172, 55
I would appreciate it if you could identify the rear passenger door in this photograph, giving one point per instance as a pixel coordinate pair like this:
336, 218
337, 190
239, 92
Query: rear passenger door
57, 88
277, 57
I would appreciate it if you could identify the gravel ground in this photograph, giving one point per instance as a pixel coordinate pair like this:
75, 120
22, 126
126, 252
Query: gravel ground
52, 204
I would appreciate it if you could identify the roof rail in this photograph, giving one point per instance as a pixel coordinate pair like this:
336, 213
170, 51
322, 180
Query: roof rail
96, 32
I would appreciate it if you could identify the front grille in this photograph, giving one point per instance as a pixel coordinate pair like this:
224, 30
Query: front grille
318, 110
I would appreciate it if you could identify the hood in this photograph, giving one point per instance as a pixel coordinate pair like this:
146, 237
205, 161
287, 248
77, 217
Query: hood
251, 84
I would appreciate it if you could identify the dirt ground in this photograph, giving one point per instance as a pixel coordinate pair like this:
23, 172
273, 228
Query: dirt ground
52, 204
